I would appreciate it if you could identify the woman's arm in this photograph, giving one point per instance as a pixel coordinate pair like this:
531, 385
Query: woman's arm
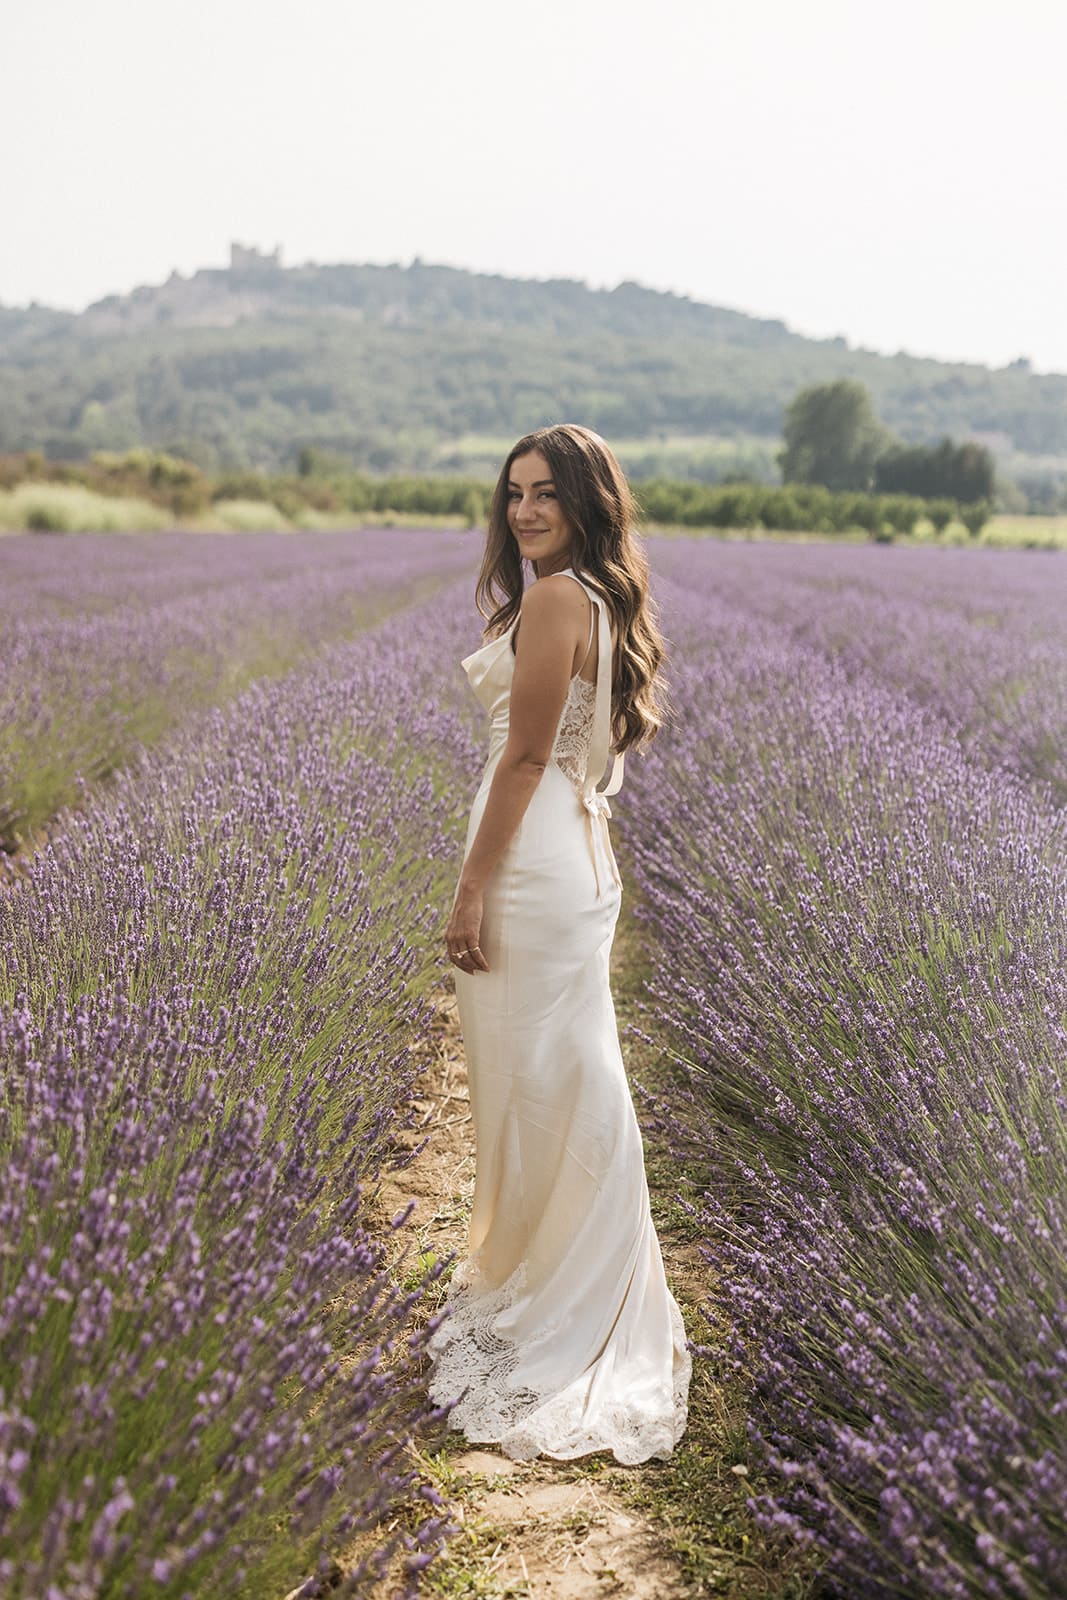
553, 619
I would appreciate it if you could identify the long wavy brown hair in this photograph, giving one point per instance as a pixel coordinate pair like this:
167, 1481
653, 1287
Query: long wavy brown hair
607, 551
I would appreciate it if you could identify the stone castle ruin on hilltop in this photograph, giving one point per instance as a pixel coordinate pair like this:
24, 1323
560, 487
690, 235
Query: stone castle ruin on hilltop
246, 258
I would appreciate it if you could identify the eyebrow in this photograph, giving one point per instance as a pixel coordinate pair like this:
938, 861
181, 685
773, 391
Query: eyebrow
539, 484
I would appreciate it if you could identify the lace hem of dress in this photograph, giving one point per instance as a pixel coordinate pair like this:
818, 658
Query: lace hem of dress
473, 1362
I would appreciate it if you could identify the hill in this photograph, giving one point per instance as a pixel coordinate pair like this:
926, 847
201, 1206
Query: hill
400, 367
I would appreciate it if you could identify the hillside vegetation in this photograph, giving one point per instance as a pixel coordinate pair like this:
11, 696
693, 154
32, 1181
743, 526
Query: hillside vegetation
145, 491
396, 368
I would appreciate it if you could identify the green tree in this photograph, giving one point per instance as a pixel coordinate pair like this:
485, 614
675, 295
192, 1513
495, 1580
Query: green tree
963, 472
941, 512
974, 517
832, 437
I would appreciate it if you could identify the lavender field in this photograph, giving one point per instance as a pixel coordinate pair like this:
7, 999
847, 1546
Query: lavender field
851, 859
847, 856
213, 976
107, 642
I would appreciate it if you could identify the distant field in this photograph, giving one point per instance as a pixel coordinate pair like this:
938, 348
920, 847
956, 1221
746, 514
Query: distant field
1048, 533
1001, 532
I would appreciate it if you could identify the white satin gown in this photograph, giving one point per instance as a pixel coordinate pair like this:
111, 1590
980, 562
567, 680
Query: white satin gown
562, 1337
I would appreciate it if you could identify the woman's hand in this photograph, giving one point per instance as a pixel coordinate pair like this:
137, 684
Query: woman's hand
464, 930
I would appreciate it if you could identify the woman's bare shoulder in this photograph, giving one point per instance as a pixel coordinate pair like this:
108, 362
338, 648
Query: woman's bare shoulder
556, 592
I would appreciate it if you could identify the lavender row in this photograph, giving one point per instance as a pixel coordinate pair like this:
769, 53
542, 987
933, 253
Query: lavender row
858, 950
108, 642
976, 636
211, 986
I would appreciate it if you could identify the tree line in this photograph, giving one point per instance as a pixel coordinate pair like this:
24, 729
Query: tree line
324, 483
802, 508
834, 438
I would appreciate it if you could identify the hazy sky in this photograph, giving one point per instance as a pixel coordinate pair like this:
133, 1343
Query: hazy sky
894, 172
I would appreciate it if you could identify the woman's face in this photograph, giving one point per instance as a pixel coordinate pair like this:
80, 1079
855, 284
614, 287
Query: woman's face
537, 521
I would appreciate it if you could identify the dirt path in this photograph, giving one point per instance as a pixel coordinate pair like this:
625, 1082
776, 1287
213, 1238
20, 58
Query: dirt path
672, 1530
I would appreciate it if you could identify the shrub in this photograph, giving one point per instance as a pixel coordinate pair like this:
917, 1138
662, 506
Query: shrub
69, 508
941, 513
974, 517
249, 516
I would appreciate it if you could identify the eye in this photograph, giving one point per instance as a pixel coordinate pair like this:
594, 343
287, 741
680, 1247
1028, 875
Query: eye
549, 494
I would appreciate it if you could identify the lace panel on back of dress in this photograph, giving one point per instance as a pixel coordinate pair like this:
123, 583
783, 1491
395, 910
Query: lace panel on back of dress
571, 749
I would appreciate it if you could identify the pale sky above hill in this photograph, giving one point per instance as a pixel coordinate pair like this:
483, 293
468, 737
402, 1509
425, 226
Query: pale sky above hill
896, 173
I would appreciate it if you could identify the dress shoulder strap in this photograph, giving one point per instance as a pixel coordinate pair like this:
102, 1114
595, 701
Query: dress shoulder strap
600, 751
568, 572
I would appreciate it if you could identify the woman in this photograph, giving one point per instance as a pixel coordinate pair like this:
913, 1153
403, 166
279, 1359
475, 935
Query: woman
563, 1338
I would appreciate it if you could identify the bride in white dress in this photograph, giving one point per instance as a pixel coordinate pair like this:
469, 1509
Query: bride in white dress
562, 1336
